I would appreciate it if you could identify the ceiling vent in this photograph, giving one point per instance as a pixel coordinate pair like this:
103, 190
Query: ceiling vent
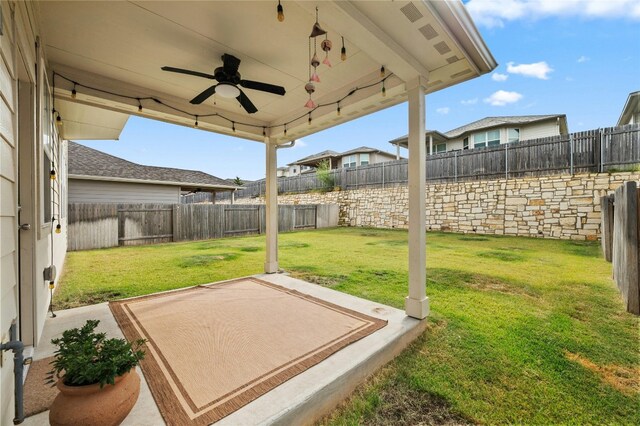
452, 59
434, 83
428, 32
442, 48
411, 12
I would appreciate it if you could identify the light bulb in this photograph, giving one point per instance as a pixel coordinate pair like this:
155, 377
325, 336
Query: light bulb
58, 229
338, 111
384, 91
309, 119
74, 93
382, 71
343, 53
280, 12
52, 174
59, 121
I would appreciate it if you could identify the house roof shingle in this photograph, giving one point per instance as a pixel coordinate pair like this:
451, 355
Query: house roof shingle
88, 162
330, 153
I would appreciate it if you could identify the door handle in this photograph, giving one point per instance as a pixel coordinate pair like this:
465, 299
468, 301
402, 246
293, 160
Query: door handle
25, 227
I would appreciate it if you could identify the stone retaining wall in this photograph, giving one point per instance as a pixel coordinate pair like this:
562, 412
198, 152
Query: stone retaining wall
566, 207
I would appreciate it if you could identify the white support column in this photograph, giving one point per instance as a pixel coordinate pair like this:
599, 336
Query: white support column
430, 144
271, 201
417, 303
397, 151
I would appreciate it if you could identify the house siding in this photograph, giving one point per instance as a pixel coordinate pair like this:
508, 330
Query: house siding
8, 209
19, 32
96, 191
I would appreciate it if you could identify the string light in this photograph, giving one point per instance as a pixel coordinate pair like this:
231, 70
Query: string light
382, 71
280, 12
384, 90
264, 131
196, 121
74, 92
58, 228
343, 51
52, 174
337, 102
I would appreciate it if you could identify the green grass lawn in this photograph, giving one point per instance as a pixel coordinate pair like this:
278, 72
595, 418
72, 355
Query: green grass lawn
521, 330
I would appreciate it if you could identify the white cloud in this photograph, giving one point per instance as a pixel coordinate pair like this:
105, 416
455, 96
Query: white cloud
443, 110
496, 76
469, 101
502, 98
494, 13
583, 58
300, 143
536, 70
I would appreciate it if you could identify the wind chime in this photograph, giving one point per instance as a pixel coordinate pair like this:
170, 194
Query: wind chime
314, 61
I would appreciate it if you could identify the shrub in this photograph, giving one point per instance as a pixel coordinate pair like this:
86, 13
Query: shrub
324, 174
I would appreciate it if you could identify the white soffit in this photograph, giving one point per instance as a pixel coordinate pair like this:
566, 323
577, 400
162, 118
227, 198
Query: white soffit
83, 122
121, 46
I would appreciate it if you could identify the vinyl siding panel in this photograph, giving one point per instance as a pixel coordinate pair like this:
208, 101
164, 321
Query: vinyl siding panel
88, 191
539, 130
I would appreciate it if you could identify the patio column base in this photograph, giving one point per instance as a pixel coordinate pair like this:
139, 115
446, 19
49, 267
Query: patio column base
416, 308
271, 267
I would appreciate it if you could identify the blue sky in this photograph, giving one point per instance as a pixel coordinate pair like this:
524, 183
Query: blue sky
575, 57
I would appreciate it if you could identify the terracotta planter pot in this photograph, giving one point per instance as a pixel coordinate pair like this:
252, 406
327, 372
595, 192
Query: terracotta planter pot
90, 405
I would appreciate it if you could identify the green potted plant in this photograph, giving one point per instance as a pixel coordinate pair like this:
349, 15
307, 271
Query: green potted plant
96, 377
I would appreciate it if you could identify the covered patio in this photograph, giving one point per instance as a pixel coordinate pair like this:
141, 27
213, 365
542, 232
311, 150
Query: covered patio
382, 54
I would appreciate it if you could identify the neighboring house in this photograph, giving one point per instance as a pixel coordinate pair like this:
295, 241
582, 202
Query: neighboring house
631, 111
96, 177
492, 131
292, 170
355, 157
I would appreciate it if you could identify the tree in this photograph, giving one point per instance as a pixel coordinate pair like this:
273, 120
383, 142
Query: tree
323, 172
238, 181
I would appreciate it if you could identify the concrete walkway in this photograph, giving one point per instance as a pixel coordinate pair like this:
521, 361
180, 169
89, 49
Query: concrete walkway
301, 399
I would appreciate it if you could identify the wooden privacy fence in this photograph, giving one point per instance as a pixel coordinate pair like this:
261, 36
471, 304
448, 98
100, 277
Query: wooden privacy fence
109, 225
621, 241
598, 150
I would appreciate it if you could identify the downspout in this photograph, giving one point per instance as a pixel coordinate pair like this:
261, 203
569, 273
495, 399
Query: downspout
17, 347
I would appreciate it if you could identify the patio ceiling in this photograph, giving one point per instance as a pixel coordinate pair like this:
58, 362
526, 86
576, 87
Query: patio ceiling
121, 46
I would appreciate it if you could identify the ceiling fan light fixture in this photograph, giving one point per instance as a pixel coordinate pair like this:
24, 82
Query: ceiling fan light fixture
227, 90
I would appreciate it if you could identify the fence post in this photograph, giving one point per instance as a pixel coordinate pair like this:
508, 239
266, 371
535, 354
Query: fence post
571, 149
455, 165
356, 169
174, 222
383, 175
506, 161
601, 150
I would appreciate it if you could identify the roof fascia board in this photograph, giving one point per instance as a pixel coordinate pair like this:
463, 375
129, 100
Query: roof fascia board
454, 15
151, 182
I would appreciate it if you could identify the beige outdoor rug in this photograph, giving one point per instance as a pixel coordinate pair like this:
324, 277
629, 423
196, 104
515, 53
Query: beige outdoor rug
38, 394
212, 349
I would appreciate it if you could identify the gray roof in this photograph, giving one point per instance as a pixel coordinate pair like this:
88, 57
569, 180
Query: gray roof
485, 123
91, 163
323, 154
329, 153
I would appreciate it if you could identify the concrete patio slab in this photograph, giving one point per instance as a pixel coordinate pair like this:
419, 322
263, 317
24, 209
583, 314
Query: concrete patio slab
300, 400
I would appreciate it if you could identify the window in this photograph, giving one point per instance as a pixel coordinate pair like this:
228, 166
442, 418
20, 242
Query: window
483, 139
349, 161
441, 147
513, 135
465, 143
364, 159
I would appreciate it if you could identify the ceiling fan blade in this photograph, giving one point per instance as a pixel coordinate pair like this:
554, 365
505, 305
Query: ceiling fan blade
230, 64
264, 87
246, 103
204, 95
189, 72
